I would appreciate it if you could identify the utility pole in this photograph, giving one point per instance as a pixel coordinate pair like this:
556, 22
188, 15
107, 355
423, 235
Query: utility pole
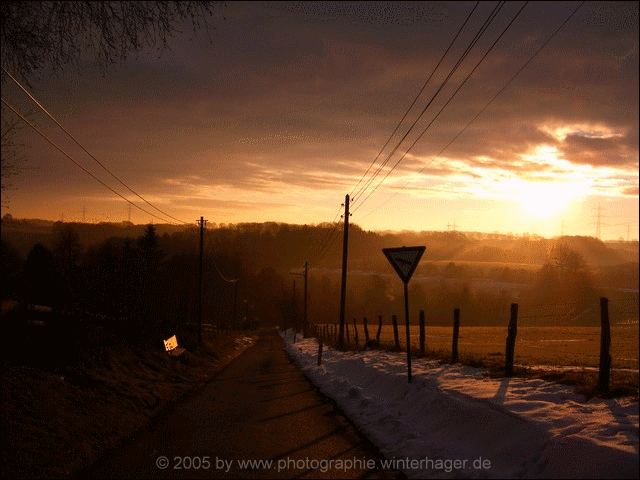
305, 325
294, 310
202, 222
84, 214
305, 318
345, 255
235, 304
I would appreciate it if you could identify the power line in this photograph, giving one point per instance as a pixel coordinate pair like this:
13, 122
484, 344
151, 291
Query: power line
395, 130
332, 238
53, 144
496, 95
222, 275
319, 244
473, 42
445, 105
75, 140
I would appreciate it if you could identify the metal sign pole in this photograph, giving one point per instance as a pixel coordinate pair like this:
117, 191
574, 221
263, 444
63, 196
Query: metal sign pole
406, 323
404, 261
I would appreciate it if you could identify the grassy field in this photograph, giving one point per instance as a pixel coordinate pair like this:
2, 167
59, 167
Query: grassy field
550, 346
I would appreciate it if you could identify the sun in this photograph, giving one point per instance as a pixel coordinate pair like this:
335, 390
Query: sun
546, 199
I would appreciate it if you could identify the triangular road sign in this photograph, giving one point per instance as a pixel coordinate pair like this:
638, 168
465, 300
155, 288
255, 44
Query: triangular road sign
404, 260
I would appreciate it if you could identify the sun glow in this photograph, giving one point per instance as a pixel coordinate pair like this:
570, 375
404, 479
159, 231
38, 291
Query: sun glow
546, 199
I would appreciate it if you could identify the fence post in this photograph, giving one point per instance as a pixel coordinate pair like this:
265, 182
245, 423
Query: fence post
422, 336
365, 326
456, 328
511, 340
379, 331
355, 333
605, 343
396, 340
346, 330
320, 351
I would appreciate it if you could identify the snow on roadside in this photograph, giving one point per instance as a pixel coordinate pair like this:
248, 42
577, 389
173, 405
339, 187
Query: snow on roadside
524, 427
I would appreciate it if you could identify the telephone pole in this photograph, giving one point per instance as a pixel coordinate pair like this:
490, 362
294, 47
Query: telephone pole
235, 304
345, 255
305, 325
305, 275
202, 222
294, 308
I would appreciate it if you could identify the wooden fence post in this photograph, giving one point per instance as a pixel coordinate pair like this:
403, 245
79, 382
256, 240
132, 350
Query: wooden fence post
320, 351
456, 328
365, 326
379, 331
604, 374
423, 349
396, 340
511, 340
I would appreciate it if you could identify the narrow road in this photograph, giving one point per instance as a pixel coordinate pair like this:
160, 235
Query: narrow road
261, 407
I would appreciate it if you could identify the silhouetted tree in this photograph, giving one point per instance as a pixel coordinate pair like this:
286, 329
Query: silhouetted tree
43, 283
35, 35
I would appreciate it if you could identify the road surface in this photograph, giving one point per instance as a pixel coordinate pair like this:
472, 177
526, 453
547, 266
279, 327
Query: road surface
261, 407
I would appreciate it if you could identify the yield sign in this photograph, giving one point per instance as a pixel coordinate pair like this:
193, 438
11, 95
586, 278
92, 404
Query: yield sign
404, 260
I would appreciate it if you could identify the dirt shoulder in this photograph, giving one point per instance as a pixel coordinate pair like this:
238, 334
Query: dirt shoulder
58, 421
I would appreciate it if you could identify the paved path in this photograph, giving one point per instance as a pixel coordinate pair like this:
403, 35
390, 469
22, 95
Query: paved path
260, 407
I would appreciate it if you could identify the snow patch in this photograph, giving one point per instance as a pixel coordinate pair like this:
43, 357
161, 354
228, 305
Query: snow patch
525, 427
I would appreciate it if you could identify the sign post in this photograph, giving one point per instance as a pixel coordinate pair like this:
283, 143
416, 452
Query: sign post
404, 261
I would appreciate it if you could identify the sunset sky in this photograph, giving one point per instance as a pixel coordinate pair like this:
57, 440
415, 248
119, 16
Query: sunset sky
278, 111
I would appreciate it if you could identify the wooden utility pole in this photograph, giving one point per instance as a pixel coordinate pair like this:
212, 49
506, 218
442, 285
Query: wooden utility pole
345, 254
235, 304
294, 308
202, 222
305, 318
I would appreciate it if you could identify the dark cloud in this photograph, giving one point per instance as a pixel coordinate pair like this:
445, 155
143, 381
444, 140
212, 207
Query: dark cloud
305, 94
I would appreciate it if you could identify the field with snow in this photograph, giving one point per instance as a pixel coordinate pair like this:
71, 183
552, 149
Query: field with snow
524, 428
558, 346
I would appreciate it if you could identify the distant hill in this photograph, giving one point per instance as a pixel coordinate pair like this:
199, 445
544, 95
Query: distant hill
284, 245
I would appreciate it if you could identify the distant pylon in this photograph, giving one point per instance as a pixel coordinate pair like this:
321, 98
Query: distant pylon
599, 223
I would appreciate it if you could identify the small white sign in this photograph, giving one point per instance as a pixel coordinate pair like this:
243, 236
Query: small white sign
170, 343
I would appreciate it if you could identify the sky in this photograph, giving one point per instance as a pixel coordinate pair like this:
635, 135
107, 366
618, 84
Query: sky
277, 112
